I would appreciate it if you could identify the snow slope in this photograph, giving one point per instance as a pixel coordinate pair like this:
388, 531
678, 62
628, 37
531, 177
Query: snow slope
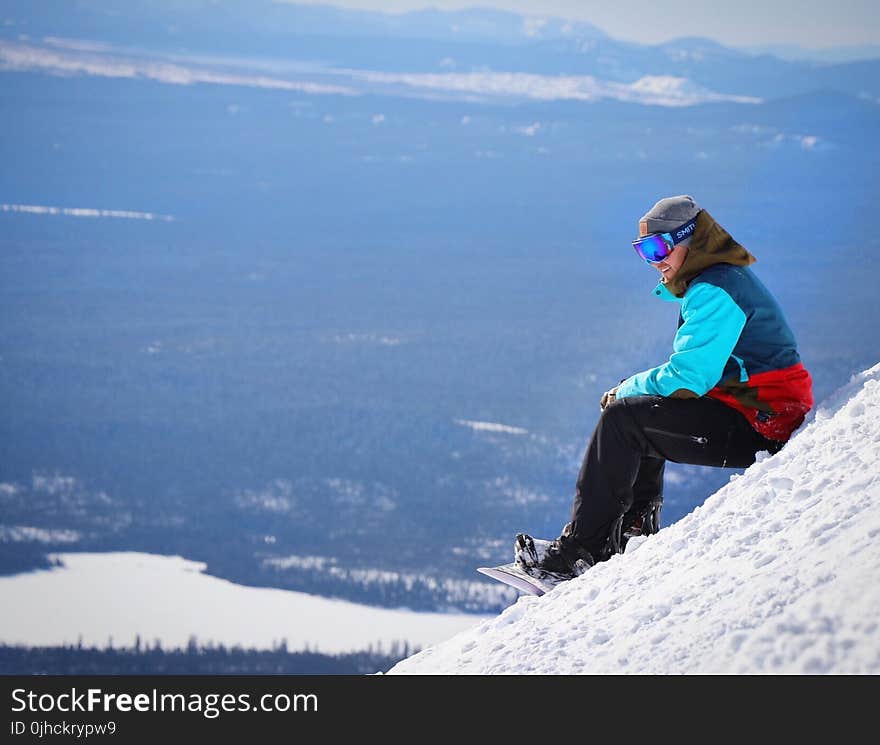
778, 572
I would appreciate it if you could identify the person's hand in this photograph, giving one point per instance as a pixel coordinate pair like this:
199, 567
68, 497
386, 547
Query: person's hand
607, 398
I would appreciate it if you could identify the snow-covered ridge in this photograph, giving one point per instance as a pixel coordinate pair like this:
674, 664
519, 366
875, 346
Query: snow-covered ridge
775, 573
66, 57
656, 90
98, 62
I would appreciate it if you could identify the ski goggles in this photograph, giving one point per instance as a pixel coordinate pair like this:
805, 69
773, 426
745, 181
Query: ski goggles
657, 246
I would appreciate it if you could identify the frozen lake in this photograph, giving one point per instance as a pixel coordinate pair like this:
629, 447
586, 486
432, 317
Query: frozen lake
96, 596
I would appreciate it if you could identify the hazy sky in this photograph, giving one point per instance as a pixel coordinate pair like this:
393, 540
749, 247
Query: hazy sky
808, 23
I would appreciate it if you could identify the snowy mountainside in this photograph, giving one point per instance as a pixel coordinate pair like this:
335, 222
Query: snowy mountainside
775, 573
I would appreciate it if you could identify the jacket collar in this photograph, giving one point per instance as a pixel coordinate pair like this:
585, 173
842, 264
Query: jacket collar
711, 244
662, 291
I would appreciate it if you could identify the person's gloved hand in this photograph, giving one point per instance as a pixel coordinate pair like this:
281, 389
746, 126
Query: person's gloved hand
607, 398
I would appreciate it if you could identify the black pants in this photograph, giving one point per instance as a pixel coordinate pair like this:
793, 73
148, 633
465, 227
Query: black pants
624, 463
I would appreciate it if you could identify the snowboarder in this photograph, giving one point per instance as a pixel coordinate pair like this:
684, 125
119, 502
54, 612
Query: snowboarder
733, 386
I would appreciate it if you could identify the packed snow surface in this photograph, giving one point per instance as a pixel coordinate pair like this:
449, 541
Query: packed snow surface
775, 573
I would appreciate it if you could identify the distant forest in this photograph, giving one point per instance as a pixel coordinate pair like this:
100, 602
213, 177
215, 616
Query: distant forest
194, 660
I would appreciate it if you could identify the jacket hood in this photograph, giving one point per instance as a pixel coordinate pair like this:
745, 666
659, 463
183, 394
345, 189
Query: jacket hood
711, 244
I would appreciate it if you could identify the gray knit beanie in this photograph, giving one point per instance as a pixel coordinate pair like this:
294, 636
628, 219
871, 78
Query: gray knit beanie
671, 213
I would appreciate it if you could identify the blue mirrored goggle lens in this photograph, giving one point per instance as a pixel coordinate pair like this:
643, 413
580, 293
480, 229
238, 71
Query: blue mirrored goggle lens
654, 248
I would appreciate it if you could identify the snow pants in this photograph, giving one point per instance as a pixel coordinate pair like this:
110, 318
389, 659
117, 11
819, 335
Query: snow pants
622, 470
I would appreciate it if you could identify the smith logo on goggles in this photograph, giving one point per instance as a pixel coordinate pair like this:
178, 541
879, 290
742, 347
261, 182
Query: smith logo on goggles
657, 246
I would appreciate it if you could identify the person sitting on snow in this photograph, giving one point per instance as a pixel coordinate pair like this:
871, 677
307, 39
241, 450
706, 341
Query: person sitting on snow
733, 386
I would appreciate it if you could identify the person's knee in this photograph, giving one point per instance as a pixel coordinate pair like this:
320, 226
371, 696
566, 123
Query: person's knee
624, 423
627, 412
614, 410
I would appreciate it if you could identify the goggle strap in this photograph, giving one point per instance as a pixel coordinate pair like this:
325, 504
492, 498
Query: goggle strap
684, 232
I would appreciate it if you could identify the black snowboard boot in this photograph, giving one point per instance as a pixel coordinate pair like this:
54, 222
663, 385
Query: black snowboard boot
563, 558
642, 519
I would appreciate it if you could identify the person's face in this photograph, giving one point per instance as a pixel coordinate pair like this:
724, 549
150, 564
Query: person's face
669, 266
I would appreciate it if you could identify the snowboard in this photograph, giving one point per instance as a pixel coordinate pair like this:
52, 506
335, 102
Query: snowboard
512, 575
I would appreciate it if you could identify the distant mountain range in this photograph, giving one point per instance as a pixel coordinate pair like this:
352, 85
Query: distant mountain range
440, 44
190, 17
830, 55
